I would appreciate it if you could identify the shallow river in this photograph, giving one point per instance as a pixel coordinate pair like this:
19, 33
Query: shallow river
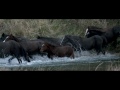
85, 61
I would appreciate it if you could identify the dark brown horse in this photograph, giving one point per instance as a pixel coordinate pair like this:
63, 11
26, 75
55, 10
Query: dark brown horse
14, 49
60, 51
32, 47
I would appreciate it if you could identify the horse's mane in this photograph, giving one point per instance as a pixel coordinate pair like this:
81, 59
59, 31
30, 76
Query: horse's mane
38, 37
72, 41
94, 28
48, 44
15, 38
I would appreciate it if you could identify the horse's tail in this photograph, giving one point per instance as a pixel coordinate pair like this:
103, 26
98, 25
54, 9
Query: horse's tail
24, 53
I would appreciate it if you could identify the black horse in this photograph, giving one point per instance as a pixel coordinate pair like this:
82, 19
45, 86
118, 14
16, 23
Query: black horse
93, 30
94, 42
32, 47
3, 36
14, 49
111, 34
53, 41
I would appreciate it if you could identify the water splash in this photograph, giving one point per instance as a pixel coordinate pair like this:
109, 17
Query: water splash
85, 56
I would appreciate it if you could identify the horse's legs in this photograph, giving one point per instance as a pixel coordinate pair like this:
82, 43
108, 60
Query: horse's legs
42, 54
9, 61
50, 56
114, 44
103, 51
72, 56
17, 55
98, 52
19, 60
30, 56
27, 58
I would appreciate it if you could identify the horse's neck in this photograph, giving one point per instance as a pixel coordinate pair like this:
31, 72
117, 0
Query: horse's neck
17, 40
74, 42
52, 49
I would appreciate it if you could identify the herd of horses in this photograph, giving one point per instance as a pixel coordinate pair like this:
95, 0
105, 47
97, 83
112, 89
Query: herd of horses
95, 38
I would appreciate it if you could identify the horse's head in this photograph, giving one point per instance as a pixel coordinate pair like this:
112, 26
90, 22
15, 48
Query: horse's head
89, 32
92, 30
38, 37
44, 47
9, 37
3, 36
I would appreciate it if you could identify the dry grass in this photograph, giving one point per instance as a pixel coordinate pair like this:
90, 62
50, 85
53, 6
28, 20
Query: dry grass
30, 28
113, 67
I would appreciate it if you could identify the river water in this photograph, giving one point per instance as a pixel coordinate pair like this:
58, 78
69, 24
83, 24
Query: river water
86, 61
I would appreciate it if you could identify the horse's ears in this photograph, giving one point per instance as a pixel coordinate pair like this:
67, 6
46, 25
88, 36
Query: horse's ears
38, 37
3, 34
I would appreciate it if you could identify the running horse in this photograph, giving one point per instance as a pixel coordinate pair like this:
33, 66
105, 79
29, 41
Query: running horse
14, 49
60, 51
80, 43
31, 46
111, 34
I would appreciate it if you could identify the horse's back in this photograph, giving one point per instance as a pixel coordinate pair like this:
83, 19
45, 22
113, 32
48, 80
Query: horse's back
70, 51
54, 41
65, 50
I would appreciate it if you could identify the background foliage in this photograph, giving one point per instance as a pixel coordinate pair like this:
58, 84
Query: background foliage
31, 28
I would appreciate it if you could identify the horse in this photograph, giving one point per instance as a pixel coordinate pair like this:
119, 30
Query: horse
53, 41
60, 51
93, 30
14, 49
111, 34
94, 42
31, 46
3, 36
71, 41
1, 40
